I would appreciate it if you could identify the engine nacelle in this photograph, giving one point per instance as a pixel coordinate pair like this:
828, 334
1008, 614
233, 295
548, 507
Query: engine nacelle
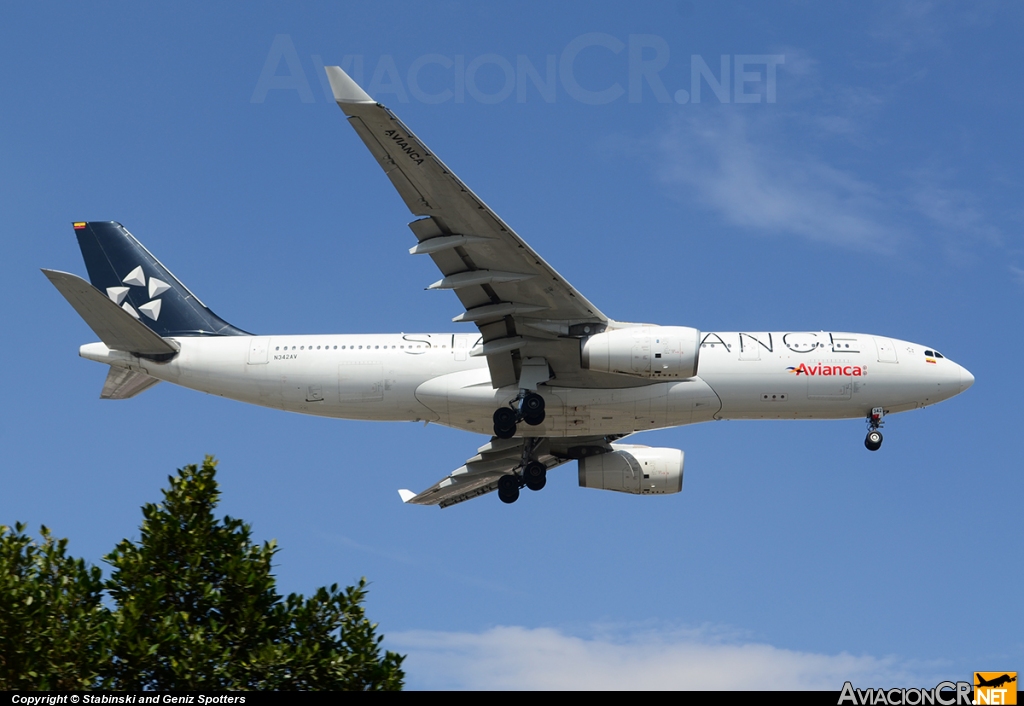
640, 470
644, 351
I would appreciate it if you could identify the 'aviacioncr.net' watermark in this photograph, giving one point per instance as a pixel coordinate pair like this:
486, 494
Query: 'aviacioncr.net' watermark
988, 688
492, 78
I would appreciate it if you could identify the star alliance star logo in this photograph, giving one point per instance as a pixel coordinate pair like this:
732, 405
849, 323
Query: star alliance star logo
137, 278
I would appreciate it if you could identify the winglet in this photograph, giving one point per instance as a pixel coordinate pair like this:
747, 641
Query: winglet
406, 495
345, 89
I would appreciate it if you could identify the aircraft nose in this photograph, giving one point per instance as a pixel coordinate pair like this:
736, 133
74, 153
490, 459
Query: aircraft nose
966, 379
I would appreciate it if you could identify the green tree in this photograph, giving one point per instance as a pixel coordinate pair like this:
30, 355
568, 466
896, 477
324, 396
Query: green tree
52, 620
196, 607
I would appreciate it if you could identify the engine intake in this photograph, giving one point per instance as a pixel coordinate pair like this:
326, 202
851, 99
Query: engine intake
639, 470
644, 351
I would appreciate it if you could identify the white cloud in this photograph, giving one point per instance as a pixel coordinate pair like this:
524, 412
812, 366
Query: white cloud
1018, 274
783, 192
774, 170
544, 658
952, 210
920, 25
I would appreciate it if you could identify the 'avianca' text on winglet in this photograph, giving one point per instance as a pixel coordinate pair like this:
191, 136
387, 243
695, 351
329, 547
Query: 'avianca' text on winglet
544, 374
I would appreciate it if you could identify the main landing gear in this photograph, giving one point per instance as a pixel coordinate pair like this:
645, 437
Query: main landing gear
873, 441
508, 488
533, 475
527, 407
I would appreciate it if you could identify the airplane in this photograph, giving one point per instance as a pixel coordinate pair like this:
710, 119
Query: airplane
995, 682
545, 374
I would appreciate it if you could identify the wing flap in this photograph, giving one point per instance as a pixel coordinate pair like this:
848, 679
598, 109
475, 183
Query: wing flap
480, 474
458, 487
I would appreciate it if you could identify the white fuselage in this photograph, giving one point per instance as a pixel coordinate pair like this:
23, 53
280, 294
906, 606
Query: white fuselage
432, 377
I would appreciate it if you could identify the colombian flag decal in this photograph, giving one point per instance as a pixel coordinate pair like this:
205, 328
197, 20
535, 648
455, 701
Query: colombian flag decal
79, 225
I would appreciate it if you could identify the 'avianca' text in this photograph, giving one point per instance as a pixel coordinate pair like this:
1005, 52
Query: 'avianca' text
823, 370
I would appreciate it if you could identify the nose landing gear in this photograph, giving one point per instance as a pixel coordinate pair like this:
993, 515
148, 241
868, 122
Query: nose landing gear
873, 441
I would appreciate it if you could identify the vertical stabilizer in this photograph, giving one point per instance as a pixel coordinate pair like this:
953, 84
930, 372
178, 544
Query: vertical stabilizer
120, 267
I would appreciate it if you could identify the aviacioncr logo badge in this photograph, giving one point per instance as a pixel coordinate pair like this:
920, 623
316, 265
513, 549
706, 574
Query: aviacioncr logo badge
995, 688
137, 278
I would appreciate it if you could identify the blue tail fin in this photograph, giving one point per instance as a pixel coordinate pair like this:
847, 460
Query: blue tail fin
122, 268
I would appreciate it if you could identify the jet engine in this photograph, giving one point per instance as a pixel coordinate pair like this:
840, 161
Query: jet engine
640, 470
644, 351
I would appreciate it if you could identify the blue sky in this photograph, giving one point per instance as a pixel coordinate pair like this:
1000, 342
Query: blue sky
878, 190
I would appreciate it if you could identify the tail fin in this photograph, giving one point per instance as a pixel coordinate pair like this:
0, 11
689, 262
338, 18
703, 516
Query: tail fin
132, 278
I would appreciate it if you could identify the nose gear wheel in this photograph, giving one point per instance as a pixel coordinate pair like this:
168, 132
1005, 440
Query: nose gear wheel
873, 441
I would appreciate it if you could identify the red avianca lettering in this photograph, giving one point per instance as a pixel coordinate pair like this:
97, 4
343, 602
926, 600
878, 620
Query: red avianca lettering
824, 370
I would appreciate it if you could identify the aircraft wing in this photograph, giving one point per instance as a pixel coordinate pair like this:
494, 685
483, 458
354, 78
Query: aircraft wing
521, 305
480, 474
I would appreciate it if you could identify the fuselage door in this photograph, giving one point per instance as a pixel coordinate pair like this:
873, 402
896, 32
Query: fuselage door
259, 348
749, 348
886, 350
461, 345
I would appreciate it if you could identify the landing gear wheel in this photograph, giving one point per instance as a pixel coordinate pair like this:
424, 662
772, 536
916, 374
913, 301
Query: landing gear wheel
508, 489
873, 442
536, 475
533, 403
504, 423
533, 409
534, 419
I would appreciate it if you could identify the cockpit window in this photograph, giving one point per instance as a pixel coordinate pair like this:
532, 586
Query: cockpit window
930, 354
938, 355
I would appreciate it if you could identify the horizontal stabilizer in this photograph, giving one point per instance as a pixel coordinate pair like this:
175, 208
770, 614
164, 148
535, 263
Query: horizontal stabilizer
116, 327
122, 383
